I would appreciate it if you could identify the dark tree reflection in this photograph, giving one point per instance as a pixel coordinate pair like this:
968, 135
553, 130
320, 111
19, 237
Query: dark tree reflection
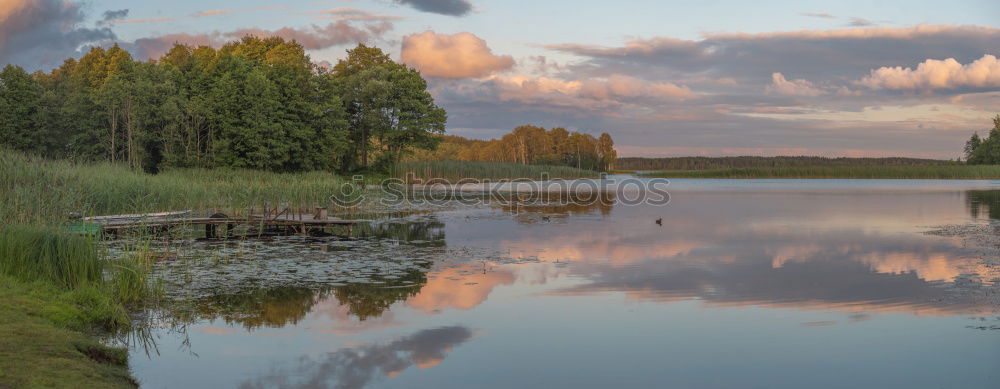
983, 203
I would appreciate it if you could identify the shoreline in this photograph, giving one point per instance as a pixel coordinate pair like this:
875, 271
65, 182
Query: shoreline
947, 172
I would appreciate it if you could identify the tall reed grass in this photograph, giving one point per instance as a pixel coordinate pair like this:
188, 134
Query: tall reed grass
75, 262
456, 170
40, 191
31, 253
971, 172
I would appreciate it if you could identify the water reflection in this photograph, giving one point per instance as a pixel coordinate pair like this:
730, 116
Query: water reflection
545, 207
461, 288
800, 251
984, 203
426, 231
281, 306
530, 273
356, 367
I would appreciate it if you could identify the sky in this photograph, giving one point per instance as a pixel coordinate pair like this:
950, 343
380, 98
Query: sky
664, 78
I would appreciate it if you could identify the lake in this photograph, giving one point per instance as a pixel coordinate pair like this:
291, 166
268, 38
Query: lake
747, 283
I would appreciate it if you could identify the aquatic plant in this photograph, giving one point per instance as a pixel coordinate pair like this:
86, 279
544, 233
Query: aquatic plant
31, 253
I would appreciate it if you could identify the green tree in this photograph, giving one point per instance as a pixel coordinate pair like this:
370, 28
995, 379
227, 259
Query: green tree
971, 145
20, 96
988, 150
388, 108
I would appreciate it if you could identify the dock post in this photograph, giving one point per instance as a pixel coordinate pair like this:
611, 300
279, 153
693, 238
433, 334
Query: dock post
209, 231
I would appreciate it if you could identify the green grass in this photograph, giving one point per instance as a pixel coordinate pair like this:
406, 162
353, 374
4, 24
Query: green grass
40, 191
31, 253
45, 338
456, 170
884, 172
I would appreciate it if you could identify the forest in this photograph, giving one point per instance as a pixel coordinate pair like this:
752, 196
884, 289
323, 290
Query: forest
254, 103
528, 145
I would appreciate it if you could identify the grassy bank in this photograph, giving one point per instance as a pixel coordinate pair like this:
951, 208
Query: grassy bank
46, 338
972, 172
456, 170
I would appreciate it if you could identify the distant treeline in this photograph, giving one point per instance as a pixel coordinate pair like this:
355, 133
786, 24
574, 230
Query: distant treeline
529, 145
254, 103
708, 163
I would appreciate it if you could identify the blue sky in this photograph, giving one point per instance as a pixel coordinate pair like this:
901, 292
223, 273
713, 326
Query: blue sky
854, 78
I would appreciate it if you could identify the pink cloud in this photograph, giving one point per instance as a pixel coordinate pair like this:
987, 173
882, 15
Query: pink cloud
798, 87
461, 55
937, 74
212, 12
589, 93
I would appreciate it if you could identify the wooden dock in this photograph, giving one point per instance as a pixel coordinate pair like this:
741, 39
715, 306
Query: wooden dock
276, 223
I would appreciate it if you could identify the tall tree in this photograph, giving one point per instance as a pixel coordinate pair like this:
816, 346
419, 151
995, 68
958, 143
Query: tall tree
388, 108
20, 96
606, 151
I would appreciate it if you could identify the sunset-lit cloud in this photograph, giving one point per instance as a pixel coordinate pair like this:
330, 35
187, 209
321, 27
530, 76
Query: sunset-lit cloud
937, 74
610, 89
212, 12
798, 87
815, 81
460, 55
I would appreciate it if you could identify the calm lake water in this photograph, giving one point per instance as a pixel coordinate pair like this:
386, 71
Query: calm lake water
747, 283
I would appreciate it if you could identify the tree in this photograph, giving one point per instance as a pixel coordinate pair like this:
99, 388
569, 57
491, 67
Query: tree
256, 103
971, 145
606, 152
20, 96
985, 151
388, 108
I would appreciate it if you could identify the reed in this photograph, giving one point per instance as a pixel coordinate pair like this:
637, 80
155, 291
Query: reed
970, 172
457, 170
31, 253
39, 191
